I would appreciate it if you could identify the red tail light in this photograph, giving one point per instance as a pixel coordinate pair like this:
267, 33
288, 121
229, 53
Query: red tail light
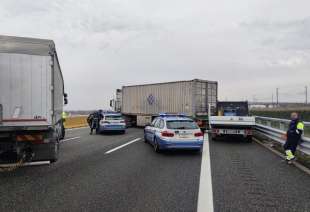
167, 134
198, 134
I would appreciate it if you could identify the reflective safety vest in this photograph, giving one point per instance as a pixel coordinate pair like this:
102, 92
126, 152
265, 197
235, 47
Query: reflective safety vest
63, 115
300, 126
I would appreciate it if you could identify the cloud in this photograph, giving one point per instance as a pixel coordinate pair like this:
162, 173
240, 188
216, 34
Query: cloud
287, 35
105, 44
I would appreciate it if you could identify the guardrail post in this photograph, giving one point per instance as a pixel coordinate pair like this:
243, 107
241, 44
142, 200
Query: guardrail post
282, 126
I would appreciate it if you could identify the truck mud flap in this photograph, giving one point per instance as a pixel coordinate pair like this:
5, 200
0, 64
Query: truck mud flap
44, 152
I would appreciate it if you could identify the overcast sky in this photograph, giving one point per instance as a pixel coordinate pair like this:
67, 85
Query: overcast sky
249, 47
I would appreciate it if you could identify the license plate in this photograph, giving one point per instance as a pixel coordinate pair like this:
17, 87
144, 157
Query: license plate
184, 135
233, 132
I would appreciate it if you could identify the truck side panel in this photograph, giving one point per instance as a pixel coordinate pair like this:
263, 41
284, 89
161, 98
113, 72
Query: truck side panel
175, 97
58, 91
25, 82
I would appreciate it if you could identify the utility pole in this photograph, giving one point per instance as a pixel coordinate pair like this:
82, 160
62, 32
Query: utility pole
277, 93
272, 99
306, 93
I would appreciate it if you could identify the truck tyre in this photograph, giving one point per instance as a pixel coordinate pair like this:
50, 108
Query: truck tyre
214, 137
145, 140
249, 139
63, 132
55, 152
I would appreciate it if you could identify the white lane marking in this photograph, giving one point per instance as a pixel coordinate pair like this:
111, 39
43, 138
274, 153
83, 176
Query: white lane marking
37, 163
121, 146
205, 197
69, 139
78, 128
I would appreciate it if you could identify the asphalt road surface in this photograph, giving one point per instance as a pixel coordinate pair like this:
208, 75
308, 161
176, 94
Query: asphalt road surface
245, 177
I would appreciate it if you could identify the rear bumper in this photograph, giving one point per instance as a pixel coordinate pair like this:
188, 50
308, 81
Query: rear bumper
111, 128
194, 145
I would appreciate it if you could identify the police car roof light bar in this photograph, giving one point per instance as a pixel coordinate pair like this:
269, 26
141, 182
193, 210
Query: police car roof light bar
172, 115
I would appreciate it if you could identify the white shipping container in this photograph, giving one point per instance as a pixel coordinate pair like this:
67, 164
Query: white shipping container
31, 82
189, 97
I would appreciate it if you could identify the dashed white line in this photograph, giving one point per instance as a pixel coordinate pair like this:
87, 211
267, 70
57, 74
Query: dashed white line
121, 146
205, 197
69, 139
78, 128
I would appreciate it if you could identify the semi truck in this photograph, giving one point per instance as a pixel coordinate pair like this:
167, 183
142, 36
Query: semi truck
31, 100
141, 103
232, 119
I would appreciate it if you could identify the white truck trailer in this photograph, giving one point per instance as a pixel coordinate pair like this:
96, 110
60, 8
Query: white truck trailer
31, 100
232, 119
140, 103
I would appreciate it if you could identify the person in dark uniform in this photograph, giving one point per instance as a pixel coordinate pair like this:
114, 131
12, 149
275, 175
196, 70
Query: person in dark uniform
294, 133
93, 120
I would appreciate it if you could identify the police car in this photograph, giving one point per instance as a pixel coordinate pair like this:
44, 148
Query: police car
112, 122
173, 131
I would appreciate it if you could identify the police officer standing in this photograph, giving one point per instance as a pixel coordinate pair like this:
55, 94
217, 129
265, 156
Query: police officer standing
294, 133
94, 120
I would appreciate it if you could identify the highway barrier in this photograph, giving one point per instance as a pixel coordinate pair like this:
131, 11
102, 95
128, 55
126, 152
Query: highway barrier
76, 121
275, 130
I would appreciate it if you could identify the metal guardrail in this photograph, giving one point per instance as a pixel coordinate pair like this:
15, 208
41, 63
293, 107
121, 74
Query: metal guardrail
275, 129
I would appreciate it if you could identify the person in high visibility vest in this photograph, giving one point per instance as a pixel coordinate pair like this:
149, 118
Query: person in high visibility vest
63, 116
294, 134
63, 120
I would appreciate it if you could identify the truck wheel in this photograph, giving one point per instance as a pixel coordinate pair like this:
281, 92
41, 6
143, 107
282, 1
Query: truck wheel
214, 137
249, 139
56, 152
63, 132
145, 140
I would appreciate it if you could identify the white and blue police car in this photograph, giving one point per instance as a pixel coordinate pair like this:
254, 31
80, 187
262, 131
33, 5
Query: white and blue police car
112, 122
173, 131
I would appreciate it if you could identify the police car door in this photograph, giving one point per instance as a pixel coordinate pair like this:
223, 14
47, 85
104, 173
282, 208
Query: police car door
154, 129
149, 129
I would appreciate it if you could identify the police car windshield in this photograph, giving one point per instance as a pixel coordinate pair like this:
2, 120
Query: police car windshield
113, 117
181, 124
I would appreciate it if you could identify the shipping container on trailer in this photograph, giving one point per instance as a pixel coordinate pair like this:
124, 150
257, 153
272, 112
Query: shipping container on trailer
140, 103
31, 97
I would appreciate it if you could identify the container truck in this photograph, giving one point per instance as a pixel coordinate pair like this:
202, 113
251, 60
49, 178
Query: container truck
232, 119
31, 100
141, 103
